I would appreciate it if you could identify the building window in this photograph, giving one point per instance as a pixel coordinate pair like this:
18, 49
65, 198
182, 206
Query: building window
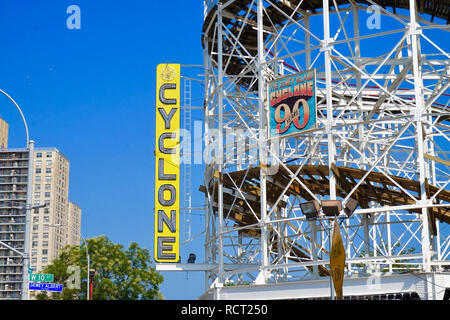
38, 170
33, 260
46, 219
37, 194
36, 202
49, 162
38, 162
35, 227
45, 243
33, 252
37, 179
39, 155
36, 219
46, 210
44, 251
44, 260
37, 187
34, 244
48, 178
49, 154
45, 235
47, 194
47, 202
48, 170
47, 186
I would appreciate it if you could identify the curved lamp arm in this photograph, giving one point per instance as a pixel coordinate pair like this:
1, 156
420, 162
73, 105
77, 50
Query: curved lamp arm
20, 111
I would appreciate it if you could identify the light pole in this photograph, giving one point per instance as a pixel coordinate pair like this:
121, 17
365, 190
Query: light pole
26, 246
87, 253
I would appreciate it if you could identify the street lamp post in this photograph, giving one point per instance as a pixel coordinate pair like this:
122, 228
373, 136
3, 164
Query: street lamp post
26, 246
87, 253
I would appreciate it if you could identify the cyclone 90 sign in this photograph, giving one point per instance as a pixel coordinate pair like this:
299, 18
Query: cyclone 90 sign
292, 104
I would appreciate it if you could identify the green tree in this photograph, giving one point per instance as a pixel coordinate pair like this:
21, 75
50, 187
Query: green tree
120, 274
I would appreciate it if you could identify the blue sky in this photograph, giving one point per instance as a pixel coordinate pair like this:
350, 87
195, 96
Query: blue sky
91, 94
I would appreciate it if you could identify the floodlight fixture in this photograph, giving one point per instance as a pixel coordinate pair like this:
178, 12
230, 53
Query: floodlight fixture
331, 207
350, 206
310, 209
191, 258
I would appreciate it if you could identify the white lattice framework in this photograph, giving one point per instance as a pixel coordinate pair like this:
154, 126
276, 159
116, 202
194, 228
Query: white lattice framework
383, 98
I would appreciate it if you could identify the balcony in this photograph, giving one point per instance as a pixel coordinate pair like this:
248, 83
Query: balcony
14, 164
12, 204
13, 180
11, 237
10, 272
13, 172
8, 279
11, 229
8, 156
12, 188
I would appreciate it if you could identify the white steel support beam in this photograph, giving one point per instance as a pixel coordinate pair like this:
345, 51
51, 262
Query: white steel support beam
307, 44
208, 209
418, 93
26, 252
314, 256
199, 267
327, 45
220, 159
262, 143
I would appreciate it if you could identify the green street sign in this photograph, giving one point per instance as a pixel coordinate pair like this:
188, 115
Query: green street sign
41, 277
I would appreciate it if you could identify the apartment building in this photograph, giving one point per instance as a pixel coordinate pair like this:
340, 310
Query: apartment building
50, 187
3, 134
13, 198
74, 221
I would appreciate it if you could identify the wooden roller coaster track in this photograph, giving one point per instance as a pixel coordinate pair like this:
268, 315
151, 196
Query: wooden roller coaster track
242, 199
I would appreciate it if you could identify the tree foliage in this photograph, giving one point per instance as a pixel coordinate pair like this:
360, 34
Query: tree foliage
120, 274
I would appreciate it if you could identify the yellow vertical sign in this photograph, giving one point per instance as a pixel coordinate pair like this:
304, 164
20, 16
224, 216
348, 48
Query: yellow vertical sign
337, 260
167, 163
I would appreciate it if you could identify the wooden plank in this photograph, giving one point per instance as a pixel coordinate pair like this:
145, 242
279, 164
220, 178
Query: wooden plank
387, 193
437, 159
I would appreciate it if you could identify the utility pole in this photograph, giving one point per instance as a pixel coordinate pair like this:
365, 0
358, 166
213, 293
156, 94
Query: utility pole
26, 252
